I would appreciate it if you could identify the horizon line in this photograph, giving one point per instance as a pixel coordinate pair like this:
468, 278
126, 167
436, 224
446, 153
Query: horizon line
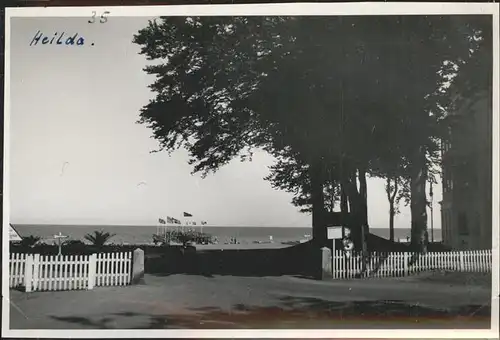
175, 225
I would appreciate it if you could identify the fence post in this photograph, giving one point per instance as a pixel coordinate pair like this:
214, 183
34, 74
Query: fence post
36, 271
28, 273
462, 261
405, 263
137, 266
92, 271
489, 260
326, 264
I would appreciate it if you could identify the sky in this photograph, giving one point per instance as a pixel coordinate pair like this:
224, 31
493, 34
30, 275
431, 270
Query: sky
77, 155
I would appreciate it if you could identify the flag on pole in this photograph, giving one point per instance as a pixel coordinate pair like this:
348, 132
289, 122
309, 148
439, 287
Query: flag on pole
161, 221
203, 222
186, 214
170, 220
194, 223
176, 221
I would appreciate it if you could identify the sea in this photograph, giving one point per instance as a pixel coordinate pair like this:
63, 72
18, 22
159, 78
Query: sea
126, 234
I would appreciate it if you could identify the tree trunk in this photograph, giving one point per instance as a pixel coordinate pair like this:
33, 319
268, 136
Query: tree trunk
355, 211
364, 209
391, 196
344, 207
419, 233
391, 221
354, 218
318, 204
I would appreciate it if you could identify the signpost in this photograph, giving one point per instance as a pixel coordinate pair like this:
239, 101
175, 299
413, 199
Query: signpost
59, 238
334, 233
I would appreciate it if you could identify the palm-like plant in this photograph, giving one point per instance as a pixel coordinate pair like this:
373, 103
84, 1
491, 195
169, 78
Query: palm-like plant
99, 238
30, 241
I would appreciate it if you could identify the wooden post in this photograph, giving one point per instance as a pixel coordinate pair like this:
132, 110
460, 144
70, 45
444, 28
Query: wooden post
405, 263
137, 267
92, 271
462, 262
334, 259
36, 271
28, 273
326, 264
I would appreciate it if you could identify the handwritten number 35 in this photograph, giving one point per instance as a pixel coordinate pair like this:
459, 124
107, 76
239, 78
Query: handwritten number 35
103, 19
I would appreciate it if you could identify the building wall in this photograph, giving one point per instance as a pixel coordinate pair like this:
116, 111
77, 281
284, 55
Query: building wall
467, 180
483, 108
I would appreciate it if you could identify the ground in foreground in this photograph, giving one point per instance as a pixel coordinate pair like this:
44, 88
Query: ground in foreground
191, 301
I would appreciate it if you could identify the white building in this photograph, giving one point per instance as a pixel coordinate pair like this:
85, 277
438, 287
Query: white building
13, 234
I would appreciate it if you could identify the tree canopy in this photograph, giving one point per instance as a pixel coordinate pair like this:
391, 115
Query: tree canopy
334, 99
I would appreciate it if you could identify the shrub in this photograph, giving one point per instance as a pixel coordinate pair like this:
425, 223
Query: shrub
30, 241
74, 246
158, 239
73, 243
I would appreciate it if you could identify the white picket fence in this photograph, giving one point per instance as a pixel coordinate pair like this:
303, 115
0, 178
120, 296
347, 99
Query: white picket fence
392, 264
113, 269
16, 269
69, 272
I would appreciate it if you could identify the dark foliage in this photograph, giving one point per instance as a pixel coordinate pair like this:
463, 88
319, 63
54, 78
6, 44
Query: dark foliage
30, 241
333, 98
99, 238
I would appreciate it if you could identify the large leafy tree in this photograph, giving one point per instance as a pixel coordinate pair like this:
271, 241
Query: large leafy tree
327, 96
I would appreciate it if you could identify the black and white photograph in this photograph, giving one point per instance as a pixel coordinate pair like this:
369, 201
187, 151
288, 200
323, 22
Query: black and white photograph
225, 170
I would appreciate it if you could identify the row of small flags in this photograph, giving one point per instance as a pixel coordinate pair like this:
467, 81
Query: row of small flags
172, 220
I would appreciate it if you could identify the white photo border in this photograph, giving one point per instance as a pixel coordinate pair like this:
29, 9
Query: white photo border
289, 9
